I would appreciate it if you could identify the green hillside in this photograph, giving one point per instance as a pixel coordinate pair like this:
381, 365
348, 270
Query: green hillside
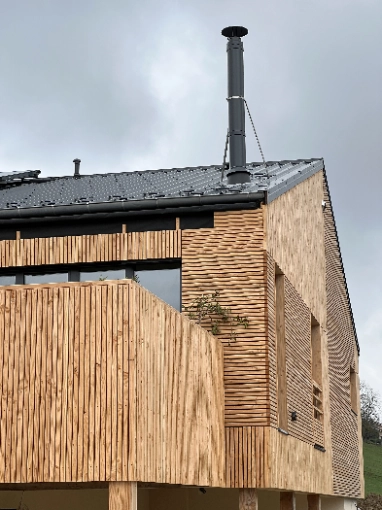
373, 468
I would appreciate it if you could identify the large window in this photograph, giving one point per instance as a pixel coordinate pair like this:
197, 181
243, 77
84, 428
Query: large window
108, 274
164, 283
46, 278
8, 280
162, 279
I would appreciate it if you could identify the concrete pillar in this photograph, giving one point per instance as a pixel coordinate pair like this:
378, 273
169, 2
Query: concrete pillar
287, 501
123, 496
248, 499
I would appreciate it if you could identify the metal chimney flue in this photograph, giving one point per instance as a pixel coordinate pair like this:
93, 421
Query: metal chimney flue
77, 163
237, 173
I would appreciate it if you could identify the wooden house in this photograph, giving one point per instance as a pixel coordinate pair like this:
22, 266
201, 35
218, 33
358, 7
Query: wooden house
112, 398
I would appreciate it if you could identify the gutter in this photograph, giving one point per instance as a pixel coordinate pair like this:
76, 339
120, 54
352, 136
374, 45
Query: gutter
130, 206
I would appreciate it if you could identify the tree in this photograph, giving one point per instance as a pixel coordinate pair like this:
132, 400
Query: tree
370, 412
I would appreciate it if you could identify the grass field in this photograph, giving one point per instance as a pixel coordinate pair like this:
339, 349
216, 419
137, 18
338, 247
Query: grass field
373, 468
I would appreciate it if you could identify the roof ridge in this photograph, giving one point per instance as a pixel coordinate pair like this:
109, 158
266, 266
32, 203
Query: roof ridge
174, 169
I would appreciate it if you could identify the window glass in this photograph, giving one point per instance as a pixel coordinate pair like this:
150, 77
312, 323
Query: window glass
46, 278
164, 283
108, 274
8, 280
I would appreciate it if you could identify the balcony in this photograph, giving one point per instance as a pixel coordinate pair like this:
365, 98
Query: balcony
102, 381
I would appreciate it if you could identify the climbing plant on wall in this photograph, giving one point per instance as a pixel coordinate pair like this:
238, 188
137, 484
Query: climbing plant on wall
207, 310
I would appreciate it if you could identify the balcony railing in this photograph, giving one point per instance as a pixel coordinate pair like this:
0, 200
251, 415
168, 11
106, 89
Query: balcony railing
102, 381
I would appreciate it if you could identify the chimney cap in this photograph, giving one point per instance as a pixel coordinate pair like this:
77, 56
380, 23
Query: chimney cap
234, 31
77, 160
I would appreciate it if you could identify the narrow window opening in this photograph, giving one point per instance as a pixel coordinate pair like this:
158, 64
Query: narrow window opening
315, 335
281, 350
353, 390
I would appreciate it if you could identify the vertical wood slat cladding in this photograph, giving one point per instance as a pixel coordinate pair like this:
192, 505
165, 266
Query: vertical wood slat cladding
296, 466
162, 244
295, 233
230, 259
247, 457
347, 476
102, 381
264, 458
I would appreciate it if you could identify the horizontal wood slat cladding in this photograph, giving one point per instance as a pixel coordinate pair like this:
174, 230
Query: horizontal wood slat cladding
230, 259
295, 233
102, 381
347, 459
299, 366
271, 327
162, 244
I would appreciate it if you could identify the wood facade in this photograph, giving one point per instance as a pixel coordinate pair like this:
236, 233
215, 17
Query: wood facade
189, 428
342, 357
162, 244
90, 373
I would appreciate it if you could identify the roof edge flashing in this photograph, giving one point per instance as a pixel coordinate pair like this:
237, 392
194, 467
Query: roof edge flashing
278, 188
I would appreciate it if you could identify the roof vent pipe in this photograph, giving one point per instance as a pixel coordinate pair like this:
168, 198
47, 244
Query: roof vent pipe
77, 163
237, 173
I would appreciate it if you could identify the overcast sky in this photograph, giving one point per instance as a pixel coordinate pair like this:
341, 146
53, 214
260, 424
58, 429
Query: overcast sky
142, 85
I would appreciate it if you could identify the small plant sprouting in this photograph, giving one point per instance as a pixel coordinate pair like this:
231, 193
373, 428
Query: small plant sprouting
135, 278
207, 307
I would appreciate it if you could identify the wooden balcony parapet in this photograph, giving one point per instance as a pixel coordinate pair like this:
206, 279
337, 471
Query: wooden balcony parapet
102, 381
162, 244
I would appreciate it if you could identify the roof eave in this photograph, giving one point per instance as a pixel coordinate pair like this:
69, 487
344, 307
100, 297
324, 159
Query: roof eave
130, 205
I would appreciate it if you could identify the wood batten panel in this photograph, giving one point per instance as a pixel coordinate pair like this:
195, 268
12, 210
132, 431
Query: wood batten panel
123, 496
342, 351
237, 220
102, 381
295, 234
297, 466
271, 327
247, 453
281, 359
299, 366
230, 259
164, 244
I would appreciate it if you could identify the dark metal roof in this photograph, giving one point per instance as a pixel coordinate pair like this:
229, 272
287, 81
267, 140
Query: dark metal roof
274, 177
23, 194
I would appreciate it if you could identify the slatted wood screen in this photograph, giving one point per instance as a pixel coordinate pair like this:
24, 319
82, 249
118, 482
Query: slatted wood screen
91, 248
295, 232
230, 259
347, 456
103, 381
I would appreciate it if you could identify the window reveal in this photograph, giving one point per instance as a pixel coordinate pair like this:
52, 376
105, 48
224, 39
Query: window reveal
315, 336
